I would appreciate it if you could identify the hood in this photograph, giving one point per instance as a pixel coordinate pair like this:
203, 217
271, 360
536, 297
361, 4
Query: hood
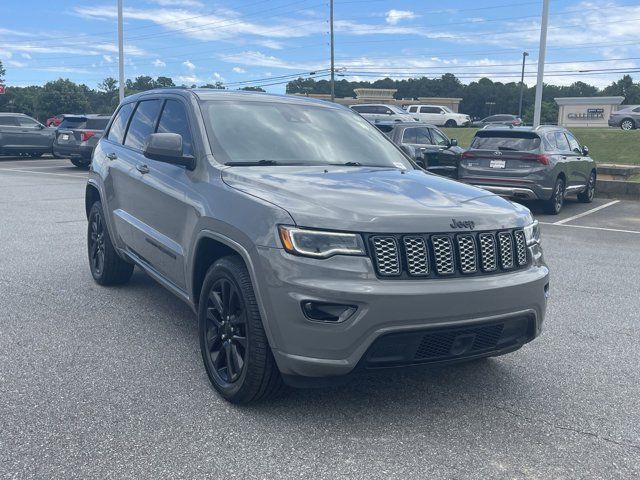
375, 200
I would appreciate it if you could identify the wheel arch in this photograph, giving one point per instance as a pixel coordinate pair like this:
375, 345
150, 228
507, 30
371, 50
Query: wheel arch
91, 196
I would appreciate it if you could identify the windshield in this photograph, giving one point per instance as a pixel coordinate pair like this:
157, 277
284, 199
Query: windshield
447, 109
286, 133
399, 110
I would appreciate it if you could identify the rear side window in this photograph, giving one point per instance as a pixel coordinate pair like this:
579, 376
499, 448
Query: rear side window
561, 142
417, 135
8, 120
97, 123
413, 109
174, 120
143, 123
119, 125
73, 122
504, 141
27, 122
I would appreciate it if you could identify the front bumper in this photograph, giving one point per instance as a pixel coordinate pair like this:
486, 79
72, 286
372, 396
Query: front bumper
321, 349
614, 122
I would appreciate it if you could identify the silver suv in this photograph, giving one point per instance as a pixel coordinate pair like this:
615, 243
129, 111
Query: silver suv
375, 112
307, 243
544, 163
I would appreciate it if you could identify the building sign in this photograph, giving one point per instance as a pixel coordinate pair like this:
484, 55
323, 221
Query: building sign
1, 89
590, 114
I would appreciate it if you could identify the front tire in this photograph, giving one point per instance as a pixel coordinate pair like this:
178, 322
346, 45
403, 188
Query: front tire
627, 124
107, 268
589, 191
555, 203
450, 124
233, 343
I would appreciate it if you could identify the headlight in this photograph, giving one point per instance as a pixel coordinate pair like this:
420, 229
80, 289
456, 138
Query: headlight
320, 244
532, 233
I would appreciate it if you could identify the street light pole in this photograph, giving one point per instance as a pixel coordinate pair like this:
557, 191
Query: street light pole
333, 89
524, 59
120, 51
541, 54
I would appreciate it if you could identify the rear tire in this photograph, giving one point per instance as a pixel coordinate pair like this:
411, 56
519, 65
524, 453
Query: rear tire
589, 191
80, 163
234, 346
627, 124
450, 124
555, 203
107, 268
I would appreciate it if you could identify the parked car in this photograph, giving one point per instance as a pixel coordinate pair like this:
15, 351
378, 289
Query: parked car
500, 119
77, 136
383, 113
23, 135
439, 115
54, 121
307, 243
426, 145
544, 163
627, 118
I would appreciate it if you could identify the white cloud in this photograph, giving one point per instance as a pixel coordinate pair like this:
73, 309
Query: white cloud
394, 16
189, 65
270, 44
189, 79
159, 63
107, 58
238, 70
178, 3
259, 59
217, 77
16, 64
25, 55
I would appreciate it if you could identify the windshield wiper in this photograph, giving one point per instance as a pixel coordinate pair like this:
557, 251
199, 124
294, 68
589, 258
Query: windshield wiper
255, 163
358, 164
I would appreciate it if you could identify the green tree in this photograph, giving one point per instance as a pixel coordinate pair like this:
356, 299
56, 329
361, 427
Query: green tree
253, 89
2, 72
164, 82
62, 96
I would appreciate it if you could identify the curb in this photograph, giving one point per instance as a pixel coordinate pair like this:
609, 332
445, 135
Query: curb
618, 189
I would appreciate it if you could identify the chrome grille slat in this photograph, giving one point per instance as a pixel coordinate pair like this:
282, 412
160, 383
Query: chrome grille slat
521, 247
467, 254
386, 255
417, 257
488, 252
505, 243
443, 254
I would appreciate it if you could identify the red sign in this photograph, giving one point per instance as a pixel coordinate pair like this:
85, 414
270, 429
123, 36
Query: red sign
1, 89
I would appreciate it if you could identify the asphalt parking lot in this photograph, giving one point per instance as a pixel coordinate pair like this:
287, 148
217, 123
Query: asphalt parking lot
108, 382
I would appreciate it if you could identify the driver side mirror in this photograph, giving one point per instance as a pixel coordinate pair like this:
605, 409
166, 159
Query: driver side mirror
453, 142
167, 148
585, 150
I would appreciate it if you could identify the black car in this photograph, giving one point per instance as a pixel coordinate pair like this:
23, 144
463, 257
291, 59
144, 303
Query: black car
499, 119
426, 144
77, 136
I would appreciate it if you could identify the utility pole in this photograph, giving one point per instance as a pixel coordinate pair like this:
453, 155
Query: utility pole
541, 54
524, 58
120, 51
333, 80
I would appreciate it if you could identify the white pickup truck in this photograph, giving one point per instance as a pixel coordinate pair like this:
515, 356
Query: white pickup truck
438, 115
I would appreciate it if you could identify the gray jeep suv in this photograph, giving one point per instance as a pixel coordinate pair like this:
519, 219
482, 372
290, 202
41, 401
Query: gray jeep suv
307, 243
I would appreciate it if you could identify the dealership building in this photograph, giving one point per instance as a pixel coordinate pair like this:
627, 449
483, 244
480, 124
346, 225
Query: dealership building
586, 111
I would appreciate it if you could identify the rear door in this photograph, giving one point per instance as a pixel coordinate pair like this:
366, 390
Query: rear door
580, 164
9, 131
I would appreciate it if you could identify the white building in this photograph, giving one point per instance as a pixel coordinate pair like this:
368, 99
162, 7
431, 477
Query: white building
586, 111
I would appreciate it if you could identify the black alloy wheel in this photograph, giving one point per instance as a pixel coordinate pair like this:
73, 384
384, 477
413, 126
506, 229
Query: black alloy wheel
555, 203
226, 331
589, 191
96, 243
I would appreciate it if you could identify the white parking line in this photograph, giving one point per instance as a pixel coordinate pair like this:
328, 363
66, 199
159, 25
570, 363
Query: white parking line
41, 173
583, 214
591, 228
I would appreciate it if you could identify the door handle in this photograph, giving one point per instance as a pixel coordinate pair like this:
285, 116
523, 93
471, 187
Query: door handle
142, 168
112, 156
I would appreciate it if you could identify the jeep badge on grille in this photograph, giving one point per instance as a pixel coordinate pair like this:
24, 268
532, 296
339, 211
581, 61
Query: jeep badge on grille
462, 224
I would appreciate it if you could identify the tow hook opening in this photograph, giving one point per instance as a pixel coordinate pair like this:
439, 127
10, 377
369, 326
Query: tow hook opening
327, 312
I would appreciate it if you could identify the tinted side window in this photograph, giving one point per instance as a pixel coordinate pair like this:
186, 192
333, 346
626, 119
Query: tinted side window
27, 122
490, 119
413, 109
573, 143
637, 110
409, 135
561, 142
439, 138
8, 120
119, 125
357, 108
174, 120
143, 123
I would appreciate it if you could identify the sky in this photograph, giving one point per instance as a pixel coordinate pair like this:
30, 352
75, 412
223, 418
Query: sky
268, 42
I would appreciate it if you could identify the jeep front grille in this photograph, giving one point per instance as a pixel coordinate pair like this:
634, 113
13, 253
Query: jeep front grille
448, 254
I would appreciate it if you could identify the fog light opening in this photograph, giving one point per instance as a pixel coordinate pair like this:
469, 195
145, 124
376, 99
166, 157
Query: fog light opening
327, 312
